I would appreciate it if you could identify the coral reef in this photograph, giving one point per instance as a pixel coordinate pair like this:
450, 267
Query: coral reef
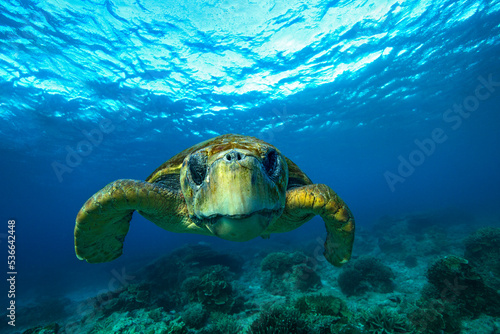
289, 272
180, 284
277, 320
194, 315
198, 290
221, 323
482, 325
211, 288
279, 263
168, 272
381, 321
202, 255
458, 283
304, 278
482, 249
139, 321
48, 329
430, 316
132, 297
166, 275
366, 274
322, 305
325, 314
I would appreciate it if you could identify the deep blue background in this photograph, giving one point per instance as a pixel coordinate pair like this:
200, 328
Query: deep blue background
341, 88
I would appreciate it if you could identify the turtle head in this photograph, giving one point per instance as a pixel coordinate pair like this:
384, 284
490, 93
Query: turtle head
235, 189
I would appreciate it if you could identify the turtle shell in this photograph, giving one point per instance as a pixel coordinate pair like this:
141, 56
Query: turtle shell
168, 173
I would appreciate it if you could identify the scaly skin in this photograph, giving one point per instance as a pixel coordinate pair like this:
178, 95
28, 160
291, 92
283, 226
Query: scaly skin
303, 203
103, 221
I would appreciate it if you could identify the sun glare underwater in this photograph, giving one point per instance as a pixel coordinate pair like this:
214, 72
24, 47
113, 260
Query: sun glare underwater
393, 105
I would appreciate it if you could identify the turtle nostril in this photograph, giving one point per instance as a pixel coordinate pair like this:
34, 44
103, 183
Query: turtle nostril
233, 156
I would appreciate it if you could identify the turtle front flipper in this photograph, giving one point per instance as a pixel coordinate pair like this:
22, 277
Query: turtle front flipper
103, 221
302, 203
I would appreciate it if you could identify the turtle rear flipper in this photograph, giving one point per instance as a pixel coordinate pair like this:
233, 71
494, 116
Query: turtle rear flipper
103, 221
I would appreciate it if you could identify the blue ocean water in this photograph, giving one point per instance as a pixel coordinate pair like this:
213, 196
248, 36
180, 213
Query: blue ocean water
394, 104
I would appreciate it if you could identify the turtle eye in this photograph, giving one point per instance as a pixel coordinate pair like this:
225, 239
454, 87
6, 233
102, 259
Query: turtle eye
198, 168
271, 163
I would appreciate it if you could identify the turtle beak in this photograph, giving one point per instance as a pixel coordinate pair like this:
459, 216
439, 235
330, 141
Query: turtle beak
237, 186
237, 200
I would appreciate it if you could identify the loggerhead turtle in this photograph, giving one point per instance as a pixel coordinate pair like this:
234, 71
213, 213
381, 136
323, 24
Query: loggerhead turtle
231, 186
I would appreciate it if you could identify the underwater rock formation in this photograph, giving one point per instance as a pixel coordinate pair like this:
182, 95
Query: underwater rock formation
366, 274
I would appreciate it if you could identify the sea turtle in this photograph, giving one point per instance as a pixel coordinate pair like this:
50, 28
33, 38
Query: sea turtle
231, 186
